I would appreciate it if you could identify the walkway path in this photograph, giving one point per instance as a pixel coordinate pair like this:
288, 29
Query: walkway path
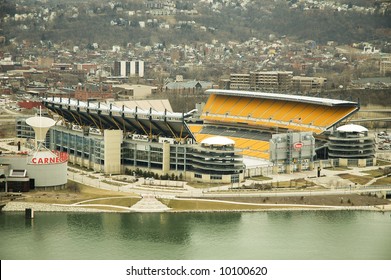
149, 204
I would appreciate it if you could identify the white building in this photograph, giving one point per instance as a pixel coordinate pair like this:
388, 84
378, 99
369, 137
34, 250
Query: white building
38, 168
134, 68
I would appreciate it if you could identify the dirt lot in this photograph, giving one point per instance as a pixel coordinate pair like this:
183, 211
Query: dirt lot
69, 196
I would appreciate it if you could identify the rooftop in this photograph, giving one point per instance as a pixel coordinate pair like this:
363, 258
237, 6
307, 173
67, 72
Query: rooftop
352, 128
284, 97
218, 140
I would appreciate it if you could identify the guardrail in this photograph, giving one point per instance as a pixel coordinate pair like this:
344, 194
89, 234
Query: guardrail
7, 139
372, 187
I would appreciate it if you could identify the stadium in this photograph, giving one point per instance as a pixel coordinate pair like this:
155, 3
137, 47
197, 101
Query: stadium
254, 119
237, 132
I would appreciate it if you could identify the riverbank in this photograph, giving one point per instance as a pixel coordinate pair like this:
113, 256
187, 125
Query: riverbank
15, 206
183, 205
79, 197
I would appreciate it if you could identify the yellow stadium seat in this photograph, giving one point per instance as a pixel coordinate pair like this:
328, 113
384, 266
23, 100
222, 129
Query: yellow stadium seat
226, 107
195, 128
240, 105
210, 102
309, 112
338, 115
292, 113
261, 107
251, 107
271, 113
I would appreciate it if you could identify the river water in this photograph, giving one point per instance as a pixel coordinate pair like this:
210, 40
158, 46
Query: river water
282, 235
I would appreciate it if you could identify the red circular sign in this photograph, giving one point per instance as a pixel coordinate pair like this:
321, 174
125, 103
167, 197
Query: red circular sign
298, 145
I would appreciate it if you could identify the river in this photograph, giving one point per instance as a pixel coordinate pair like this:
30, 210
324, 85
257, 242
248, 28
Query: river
280, 235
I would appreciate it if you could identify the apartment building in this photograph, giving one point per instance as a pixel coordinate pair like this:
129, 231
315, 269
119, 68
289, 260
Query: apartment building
308, 84
273, 81
240, 81
134, 68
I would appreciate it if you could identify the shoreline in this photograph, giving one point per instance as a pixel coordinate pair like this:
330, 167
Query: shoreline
13, 206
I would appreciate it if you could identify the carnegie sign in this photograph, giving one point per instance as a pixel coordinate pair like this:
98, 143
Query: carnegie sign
58, 157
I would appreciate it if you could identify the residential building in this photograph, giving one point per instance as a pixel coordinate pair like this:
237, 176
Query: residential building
187, 86
276, 81
129, 68
385, 66
240, 81
93, 91
87, 67
308, 84
128, 91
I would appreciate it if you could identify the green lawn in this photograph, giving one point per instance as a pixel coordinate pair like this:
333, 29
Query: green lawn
362, 180
201, 205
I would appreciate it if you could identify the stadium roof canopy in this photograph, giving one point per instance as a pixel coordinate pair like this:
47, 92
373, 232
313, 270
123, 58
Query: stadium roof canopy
283, 97
109, 116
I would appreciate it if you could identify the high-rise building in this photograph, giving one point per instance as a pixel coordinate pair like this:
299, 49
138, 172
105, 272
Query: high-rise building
134, 68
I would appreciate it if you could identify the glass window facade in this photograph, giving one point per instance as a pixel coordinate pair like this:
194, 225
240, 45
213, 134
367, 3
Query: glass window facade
215, 162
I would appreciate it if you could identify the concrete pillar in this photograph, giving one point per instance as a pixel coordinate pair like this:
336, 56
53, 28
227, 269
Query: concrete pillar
166, 158
112, 157
362, 162
275, 170
29, 213
343, 162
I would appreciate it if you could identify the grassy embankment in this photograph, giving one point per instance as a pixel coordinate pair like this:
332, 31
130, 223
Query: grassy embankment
203, 205
77, 193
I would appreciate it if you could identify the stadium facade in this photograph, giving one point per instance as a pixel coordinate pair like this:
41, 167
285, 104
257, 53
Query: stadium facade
234, 128
110, 139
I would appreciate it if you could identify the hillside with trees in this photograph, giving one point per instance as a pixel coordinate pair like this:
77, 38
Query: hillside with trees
84, 22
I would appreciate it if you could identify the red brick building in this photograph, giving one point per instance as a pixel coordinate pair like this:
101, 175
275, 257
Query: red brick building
92, 91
